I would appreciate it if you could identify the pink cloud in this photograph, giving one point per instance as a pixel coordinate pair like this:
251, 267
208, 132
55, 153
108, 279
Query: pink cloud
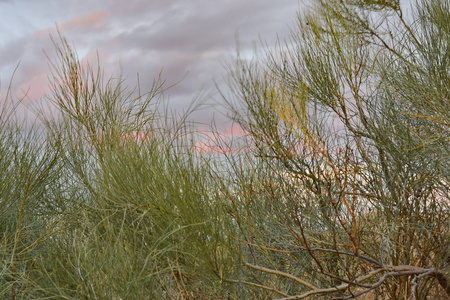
35, 87
224, 141
204, 147
88, 21
233, 130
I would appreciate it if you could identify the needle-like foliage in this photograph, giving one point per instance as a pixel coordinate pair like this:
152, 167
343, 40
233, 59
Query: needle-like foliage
349, 125
109, 201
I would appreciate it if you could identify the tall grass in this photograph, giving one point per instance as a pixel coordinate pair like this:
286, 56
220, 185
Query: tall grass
107, 202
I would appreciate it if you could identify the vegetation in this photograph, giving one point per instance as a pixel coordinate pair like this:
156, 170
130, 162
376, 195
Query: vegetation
351, 125
340, 188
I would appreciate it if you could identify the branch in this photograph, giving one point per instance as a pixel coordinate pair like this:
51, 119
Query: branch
373, 261
336, 288
443, 280
366, 258
394, 271
414, 285
258, 286
302, 282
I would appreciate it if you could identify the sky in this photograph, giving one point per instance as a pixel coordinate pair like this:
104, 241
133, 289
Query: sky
190, 41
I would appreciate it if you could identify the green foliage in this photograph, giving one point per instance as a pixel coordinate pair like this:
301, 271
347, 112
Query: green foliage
338, 190
105, 201
350, 123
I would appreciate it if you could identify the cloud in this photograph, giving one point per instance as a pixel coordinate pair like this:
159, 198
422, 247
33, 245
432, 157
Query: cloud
188, 40
86, 24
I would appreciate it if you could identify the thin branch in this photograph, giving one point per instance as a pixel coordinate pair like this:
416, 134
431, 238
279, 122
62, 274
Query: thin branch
395, 271
334, 289
263, 269
258, 286
375, 262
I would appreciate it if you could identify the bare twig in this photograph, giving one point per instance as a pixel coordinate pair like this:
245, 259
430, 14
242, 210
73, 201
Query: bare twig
394, 271
334, 289
263, 269
258, 286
